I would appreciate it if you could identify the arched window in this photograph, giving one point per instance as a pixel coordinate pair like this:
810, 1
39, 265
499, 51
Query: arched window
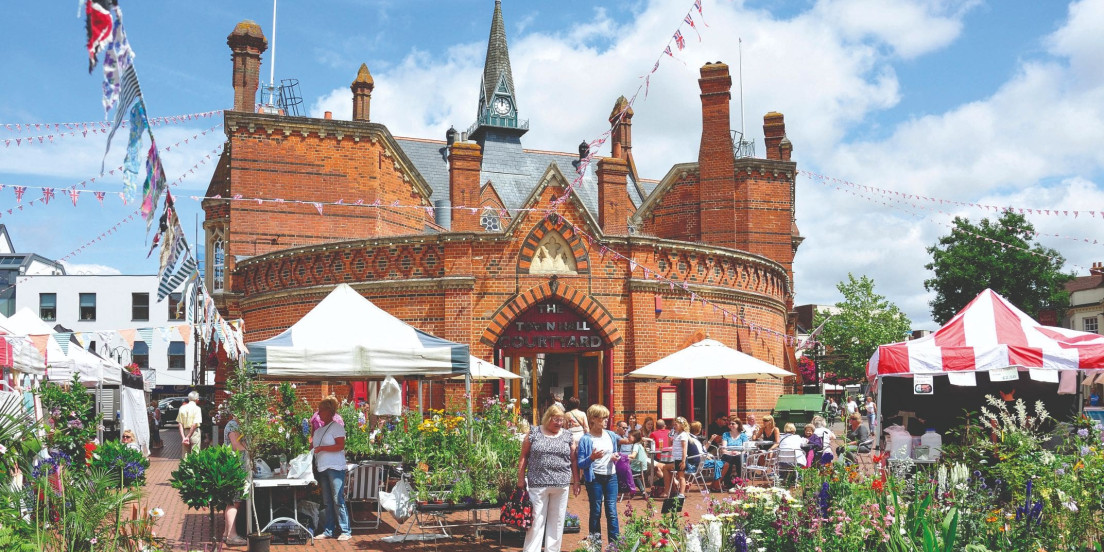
489, 220
218, 266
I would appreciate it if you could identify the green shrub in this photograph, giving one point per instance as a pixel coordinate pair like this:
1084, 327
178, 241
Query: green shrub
127, 465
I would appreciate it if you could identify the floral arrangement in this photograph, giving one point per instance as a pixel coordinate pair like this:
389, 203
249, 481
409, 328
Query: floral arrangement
459, 459
72, 418
127, 465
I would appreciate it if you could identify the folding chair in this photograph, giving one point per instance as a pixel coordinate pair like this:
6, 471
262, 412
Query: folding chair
696, 475
789, 460
762, 467
362, 485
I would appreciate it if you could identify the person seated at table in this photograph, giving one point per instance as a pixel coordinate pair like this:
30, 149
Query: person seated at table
768, 432
632, 422
625, 482
820, 427
696, 431
790, 445
858, 438
731, 441
815, 446
750, 427
661, 437
638, 457
717, 427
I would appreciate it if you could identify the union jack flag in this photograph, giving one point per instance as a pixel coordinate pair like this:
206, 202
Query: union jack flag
697, 6
667, 51
679, 41
47, 195
690, 21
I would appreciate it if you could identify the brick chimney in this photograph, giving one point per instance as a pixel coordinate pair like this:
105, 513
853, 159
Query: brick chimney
1097, 269
614, 205
774, 137
362, 93
715, 158
465, 159
621, 126
246, 43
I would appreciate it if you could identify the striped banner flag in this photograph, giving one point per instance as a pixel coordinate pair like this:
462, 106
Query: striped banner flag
171, 281
129, 92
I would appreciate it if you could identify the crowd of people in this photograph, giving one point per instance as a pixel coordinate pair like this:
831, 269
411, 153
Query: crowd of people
572, 449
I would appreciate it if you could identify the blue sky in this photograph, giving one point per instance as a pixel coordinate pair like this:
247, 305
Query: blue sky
965, 100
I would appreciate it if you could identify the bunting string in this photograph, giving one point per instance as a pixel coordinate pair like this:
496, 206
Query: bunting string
83, 130
74, 191
888, 203
985, 207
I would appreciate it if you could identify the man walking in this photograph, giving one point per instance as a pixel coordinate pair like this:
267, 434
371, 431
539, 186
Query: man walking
188, 420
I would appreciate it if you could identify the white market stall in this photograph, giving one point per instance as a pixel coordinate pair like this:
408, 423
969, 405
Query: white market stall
346, 337
989, 336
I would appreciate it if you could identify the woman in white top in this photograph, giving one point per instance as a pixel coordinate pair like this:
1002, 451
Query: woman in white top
679, 445
329, 457
789, 446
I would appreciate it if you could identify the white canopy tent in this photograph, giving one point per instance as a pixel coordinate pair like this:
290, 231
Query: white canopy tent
61, 365
347, 337
709, 359
19, 353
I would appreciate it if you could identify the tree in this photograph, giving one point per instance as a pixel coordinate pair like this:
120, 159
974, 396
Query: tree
1001, 255
863, 321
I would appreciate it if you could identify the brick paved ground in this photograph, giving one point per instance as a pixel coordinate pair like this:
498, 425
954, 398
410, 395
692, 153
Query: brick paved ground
187, 529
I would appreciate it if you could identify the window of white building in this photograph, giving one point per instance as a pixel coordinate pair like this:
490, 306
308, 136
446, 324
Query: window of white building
1089, 324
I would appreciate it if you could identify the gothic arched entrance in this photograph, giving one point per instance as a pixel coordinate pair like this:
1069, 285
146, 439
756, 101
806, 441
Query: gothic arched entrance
558, 350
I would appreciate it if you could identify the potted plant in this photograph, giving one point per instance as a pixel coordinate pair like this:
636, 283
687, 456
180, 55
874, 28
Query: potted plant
571, 524
212, 478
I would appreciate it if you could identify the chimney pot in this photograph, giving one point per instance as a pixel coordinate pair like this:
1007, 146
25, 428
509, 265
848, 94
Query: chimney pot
246, 43
362, 94
329, 115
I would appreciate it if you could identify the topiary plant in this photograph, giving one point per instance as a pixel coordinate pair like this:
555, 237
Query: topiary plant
211, 478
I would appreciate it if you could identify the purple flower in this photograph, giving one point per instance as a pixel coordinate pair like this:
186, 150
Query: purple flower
1082, 433
1085, 451
1060, 471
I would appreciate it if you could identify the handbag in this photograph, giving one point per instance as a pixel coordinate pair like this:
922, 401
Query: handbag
518, 510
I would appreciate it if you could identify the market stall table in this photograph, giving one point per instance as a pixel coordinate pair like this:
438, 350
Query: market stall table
274, 484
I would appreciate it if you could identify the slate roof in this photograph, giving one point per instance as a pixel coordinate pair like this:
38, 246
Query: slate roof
512, 170
1082, 283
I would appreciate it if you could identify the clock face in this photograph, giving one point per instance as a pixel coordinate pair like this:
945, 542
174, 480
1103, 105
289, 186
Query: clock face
501, 106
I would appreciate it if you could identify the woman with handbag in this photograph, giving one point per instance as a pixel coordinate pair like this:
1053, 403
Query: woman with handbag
329, 458
597, 460
547, 464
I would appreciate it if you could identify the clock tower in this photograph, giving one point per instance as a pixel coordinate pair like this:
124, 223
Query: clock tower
498, 112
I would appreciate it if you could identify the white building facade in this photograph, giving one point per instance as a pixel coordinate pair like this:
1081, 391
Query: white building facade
1086, 309
96, 307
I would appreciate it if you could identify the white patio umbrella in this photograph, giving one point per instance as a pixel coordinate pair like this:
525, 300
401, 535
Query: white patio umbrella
708, 359
483, 370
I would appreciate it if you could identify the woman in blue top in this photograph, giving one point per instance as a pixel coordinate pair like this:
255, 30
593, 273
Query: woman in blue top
732, 439
597, 458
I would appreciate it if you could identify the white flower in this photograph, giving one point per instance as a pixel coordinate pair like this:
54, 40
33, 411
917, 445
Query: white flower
3, 449
156, 513
524, 401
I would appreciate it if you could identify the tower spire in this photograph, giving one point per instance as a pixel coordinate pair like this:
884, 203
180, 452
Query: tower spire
497, 112
497, 65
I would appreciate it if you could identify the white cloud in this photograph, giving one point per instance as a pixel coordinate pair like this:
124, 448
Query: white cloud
97, 269
1034, 141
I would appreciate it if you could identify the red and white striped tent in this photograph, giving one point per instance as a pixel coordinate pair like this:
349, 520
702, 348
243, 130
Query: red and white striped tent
991, 334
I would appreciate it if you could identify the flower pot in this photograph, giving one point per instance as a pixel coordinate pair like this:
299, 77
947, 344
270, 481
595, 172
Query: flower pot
259, 542
572, 529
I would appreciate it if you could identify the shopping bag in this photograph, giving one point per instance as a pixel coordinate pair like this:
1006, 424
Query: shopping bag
518, 510
300, 466
398, 501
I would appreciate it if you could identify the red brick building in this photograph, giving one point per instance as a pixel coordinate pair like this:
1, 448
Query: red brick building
487, 265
